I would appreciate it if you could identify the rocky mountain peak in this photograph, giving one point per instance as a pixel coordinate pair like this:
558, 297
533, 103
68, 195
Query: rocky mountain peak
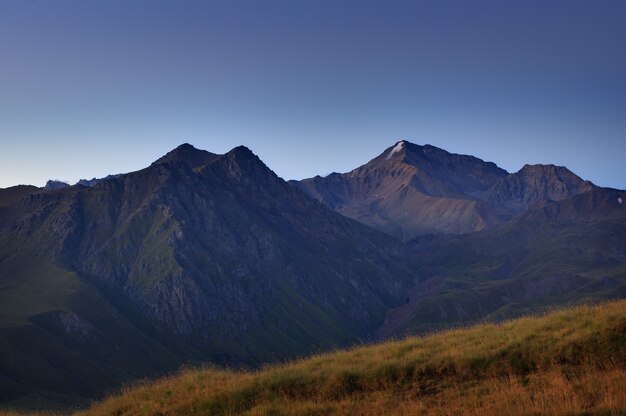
186, 153
406, 152
543, 169
430, 158
245, 160
54, 184
397, 150
242, 154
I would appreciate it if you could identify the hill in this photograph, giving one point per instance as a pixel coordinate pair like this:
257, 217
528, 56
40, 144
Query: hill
568, 362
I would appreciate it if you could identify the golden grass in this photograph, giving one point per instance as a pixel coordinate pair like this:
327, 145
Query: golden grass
567, 363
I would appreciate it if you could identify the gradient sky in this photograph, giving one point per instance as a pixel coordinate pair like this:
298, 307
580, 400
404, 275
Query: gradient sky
89, 88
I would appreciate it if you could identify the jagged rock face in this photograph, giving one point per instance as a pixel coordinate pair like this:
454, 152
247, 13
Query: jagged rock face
217, 246
411, 190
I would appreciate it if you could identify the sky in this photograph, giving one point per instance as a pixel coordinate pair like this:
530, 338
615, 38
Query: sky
90, 88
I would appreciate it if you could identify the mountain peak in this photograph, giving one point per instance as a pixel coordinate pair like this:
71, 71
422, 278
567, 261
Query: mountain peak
397, 148
241, 164
186, 146
186, 153
413, 154
243, 155
242, 158
539, 167
54, 184
242, 150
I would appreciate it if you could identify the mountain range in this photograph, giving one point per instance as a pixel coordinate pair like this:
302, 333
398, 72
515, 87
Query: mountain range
203, 257
411, 190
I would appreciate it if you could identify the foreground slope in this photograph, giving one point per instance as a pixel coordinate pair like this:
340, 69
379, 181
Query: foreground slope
568, 362
197, 257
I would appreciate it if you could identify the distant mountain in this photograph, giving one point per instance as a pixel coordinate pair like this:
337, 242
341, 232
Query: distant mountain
94, 181
411, 190
53, 184
197, 257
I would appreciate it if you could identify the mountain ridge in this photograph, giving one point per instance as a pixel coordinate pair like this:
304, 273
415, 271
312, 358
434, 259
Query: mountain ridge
411, 190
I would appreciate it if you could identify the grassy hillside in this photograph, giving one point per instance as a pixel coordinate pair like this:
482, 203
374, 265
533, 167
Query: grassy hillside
568, 362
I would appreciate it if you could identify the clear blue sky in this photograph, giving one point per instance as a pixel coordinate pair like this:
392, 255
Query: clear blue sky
89, 88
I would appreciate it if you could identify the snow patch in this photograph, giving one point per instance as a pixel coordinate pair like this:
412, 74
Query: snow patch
619, 199
396, 149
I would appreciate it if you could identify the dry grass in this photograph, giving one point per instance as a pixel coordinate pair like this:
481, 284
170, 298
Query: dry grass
567, 363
